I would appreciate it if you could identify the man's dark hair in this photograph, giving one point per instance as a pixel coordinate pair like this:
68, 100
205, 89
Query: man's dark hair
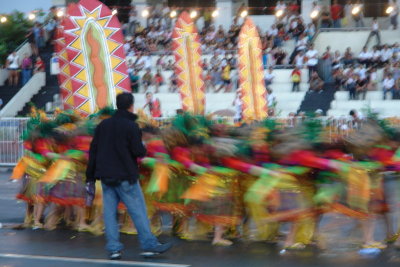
125, 101
352, 112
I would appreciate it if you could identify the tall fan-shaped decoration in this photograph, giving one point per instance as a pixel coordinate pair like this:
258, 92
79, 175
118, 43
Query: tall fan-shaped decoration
64, 78
251, 73
95, 56
187, 51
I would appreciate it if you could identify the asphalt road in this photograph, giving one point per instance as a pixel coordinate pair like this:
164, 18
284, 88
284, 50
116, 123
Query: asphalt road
65, 248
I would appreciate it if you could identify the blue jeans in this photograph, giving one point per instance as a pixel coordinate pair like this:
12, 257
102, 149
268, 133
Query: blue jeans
26, 76
131, 195
386, 90
337, 23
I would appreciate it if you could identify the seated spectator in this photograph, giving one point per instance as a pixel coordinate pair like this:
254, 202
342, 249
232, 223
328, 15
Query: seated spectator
39, 65
361, 87
26, 67
158, 80
365, 57
372, 79
208, 85
337, 60
271, 101
348, 57
13, 65
154, 105
170, 65
316, 83
351, 86
173, 83
147, 79
312, 60
376, 56
301, 45
269, 77
386, 55
279, 56
216, 79
388, 86
299, 60
135, 81
296, 79
226, 78
339, 78
161, 62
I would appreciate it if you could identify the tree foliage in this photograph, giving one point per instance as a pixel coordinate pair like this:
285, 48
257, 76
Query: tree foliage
13, 33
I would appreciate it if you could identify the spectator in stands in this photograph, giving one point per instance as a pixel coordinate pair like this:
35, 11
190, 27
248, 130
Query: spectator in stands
269, 77
337, 60
154, 105
13, 65
39, 65
1, 103
388, 85
301, 45
226, 78
372, 79
336, 13
361, 87
31, 40
358, 17
316, 84
26, 67
316, 9
237, 103
339, 78
394, 14
348, 57
326, 20
365, 57
216, 78
173, 82
135, 81
279, 56
310, 31
271, 102
170, 65
296, 79
208, 85
38, 35
312, 60
374, 32
397, 89
347, 13
376, 56
386, 55
147, 79
351, 85
299, 60
158, 81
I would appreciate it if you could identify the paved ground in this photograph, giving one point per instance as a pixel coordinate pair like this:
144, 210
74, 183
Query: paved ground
64, 248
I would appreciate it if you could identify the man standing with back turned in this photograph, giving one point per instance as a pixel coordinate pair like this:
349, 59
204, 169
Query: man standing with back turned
116, 145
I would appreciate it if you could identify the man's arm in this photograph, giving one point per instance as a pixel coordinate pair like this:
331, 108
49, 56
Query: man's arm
135, 142
91, 168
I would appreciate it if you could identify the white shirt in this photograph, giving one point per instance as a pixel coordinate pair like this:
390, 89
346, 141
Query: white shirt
375, 26
373, 76
301, 44
14, 61
273, 32
312, 57
365, 55
300, 61
269, 76
388, 83
271, 100
238, 108
386, 54
127, 46
362, 72
147, 62
376, 54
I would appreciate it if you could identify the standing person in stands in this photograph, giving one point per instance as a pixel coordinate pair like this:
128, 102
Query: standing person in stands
374, 32
326, 20
357, 14
154, 105
351, 85
135, 81
312, 60
13, 65
296, 79
336, 13
394, 14
269, 77
361, 87
116, 146
388, 85
26, 69
147, 79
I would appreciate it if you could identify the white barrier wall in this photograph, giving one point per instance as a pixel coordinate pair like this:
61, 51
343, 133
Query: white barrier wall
24, 95
339, 40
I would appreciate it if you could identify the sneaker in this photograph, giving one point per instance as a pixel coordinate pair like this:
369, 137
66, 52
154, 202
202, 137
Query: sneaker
115, 255
158, 249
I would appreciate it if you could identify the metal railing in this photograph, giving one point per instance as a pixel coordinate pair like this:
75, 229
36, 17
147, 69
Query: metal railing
12, 129
11, 143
